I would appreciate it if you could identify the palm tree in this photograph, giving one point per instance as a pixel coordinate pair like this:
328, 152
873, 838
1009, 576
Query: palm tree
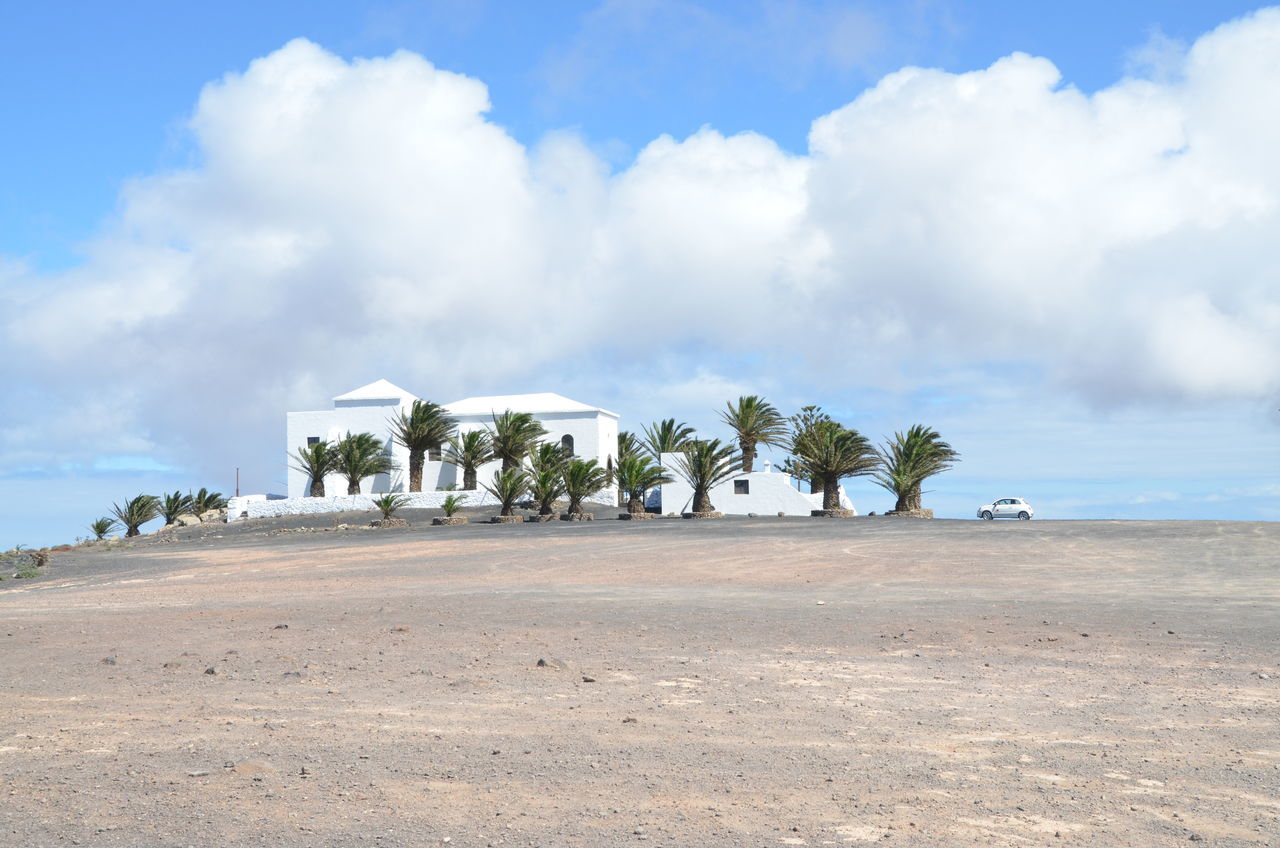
582, 479
389, 504
204, 500
909, 459
667, 436
801, 423
704, 464
102, 527
451, 504
508, 487
136, 512
316, 461
422, 431
628, 445
469, 451
756, 422
360, 455
546, 486
513, 434
827, 451
171, 506
636, 475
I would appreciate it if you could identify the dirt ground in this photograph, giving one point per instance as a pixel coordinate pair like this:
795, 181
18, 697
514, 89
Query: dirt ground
755, 682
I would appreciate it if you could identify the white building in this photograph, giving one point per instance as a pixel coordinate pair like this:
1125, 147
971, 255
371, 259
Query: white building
585, 431
764, 492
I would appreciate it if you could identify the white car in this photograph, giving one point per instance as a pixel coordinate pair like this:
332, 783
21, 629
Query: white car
1006, 508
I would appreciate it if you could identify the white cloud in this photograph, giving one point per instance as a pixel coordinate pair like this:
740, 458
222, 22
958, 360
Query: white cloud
355, 220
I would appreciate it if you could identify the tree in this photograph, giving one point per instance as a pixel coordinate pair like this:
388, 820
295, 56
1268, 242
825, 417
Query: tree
582, 479
828, 452
316, 461
628, 445
508, 487
389, 504
704, 464
171, 506
667, 436
637, 473
546, 475
909, 459
361, 455
204, 500
756, 422
451, 504
513, 434
102, 527
136, 512
807, 418
423, 430
469, 451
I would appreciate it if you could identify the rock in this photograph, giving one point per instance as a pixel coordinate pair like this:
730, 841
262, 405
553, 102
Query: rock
629, 720
173, 665
451, 521
753, 515
384, 523
832, 513
281, 627
108, 660
586, 678
702, 516
297, 675
198, 773
541, 519
635, 516
911, 513
782, 514
551, 662
577, 516
187, 520
872, 512
507, 519
210, 670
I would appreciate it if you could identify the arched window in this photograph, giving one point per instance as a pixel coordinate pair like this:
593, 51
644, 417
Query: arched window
566, 445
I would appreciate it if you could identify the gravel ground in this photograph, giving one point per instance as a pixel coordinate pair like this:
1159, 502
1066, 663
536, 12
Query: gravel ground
736, 682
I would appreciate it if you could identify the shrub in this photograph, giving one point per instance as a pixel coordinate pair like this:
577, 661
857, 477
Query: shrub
389, 503
452, 504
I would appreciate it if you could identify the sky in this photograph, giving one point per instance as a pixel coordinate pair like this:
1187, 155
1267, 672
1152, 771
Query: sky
1050, 231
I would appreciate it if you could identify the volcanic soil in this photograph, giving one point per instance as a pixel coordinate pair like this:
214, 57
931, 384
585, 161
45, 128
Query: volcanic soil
755, 682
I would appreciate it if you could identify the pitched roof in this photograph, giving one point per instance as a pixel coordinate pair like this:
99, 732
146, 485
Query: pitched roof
544, 402
377, 390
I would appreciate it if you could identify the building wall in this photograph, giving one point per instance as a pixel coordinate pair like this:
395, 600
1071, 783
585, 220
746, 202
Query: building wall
595, 436
258, 506
769, 493
331, 425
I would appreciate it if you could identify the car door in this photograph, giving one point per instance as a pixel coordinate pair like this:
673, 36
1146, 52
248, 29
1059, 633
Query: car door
1003, 508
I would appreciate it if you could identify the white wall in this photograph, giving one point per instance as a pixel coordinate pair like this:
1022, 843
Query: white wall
331, 425
770, 493
258, 506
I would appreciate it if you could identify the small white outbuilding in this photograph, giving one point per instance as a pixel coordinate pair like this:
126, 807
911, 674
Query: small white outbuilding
766, 492
585, 431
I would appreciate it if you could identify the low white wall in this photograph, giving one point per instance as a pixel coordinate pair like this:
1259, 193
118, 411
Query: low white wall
257, 506
770, 493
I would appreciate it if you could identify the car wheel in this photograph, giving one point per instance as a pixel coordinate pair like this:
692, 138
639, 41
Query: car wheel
1024, 516
986, 515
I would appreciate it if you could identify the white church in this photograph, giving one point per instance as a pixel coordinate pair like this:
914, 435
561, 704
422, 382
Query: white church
586, 432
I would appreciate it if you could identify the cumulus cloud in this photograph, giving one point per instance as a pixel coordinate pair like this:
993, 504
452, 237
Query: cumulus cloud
350, 220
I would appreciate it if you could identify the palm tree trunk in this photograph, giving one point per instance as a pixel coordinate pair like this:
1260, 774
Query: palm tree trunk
469, 478
702, 501
415, 470
748, 454
904, 502
635, 505
353, 486
831, 493
508, 463
816, 486
507, 509
545, 509
317, 487
132, 531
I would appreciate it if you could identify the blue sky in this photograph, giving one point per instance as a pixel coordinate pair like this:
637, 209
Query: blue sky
1089, 410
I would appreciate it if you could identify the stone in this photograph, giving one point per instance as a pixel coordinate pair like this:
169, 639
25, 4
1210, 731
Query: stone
702, 516
384, 523
187, 520
451, 521
577, 516
911, 513
552, 662
507, 519
108, 660
586, 678
541, 519
210, 670
832, 513
281, 627
635, 516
